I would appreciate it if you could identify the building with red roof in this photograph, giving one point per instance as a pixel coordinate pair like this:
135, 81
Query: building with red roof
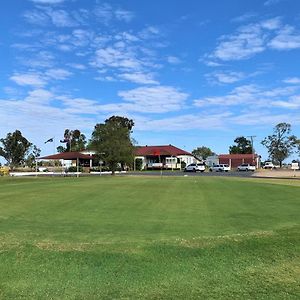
83, 158
234, 160
165, 156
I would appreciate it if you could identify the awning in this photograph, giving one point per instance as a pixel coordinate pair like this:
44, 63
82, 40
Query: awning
68, 156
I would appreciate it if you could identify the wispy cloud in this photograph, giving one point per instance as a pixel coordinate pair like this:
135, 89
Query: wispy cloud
77, 66
58, 74
272, 2
286, 39
105, 13
244, 17
173, 60
225, 77
44, 16
185, 122
248, 41
61, 18
140, 77
37, 17
252, 96
115, 58
253, 39
43, 59
155, 99
124, 15
28, 79
39, 96
47, 1
292, 80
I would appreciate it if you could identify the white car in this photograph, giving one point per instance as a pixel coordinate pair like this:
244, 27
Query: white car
220, 168
195, 168
246, 167
270, 165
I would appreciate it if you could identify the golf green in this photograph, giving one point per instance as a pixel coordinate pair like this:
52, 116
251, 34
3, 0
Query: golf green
149, 238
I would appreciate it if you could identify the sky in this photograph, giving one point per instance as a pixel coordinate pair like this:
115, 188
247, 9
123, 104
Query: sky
189, 73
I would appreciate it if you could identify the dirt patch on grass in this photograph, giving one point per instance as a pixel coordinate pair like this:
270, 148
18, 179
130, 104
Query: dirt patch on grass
56, 246
287, 272
277, 173
212, 241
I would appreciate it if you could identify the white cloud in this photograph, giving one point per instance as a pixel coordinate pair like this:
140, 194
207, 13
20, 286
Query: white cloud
58, 74
115, 58
77, 66
150, 32
28, 79
155, 99
271, 24
251, 96
47, 1
38, 120
37, 17
211, 63
61, 18
173, 60
286, 39
124, 15
185, 122
248, 41
244, 17
39, 96
141, 78
292, 80
255, 38
106, 13
292, 103
271, 2
43, 59
225, 77
81, 38
263, 118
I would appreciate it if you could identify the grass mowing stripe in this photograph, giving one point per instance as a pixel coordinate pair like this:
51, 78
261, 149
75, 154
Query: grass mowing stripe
170, 238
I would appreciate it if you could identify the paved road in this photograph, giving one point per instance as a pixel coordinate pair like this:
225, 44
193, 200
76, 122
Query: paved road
181, 173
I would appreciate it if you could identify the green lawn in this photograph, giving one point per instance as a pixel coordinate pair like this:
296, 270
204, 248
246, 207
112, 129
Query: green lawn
149, 238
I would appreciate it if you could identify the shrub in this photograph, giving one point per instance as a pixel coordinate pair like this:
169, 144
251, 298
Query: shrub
74, 169
138, 164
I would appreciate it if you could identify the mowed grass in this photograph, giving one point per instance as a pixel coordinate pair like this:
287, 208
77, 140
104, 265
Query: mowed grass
149, 238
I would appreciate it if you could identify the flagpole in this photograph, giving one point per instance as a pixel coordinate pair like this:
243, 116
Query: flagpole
54, 145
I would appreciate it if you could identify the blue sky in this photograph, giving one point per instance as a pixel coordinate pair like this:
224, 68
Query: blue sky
189, 73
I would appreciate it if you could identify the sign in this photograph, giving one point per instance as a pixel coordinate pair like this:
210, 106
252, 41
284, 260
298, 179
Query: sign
295, 166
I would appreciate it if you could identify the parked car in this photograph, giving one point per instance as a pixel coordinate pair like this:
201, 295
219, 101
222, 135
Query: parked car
270, 165
220, 168
195, 168
246, 167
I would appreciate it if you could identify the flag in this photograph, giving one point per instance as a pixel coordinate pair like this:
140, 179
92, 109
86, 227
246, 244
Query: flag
156, 152
49, 141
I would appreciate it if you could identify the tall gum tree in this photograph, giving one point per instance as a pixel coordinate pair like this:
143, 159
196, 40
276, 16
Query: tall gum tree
281, 143
113, 143
14, 148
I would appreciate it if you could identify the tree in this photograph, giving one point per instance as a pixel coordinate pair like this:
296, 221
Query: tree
15, 148
74, 139
32, 157
113, 143
243, 146
203, 152
280, 144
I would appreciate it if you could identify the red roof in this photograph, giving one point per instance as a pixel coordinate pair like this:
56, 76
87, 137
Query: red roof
160, 150
67, 156
237, 156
